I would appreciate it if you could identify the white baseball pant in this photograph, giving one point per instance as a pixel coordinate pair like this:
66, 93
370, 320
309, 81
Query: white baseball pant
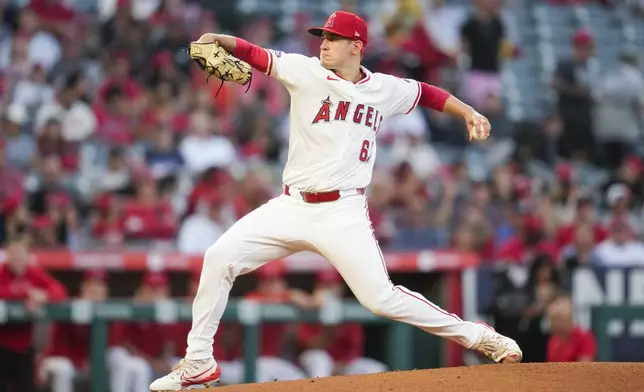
59, 373
127, 373
341, 232
318, 363
268, 369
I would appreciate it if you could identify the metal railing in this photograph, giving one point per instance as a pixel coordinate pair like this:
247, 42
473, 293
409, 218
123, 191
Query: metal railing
248, 313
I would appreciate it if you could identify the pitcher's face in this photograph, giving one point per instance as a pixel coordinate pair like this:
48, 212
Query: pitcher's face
336, 50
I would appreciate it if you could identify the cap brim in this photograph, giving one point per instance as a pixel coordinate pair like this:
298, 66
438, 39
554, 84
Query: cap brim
317, 31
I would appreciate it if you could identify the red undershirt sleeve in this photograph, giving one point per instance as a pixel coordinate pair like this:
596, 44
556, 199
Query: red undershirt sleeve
257, 57
432, 97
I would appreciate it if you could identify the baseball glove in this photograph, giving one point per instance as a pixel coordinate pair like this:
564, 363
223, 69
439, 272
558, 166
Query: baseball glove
213, 59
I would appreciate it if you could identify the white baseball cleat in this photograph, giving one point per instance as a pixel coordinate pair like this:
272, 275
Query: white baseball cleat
497, 347
188, 373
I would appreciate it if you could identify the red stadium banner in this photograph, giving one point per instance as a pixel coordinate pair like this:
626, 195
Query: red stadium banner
423, 261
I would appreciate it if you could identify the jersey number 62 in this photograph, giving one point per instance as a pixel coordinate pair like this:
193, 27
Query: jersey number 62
364, 151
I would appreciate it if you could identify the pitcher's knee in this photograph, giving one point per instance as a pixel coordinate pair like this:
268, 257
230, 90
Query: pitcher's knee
218, 257
380, 305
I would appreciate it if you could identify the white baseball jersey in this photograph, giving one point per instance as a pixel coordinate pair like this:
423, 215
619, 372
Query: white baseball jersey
334, 122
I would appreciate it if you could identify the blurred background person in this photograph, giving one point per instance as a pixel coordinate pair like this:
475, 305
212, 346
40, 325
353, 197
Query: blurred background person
621, 248
619, 110
21, 280
275, 362
152, 349
484, 40
329, 350
573, 82
67, 358
542, 285
568, 342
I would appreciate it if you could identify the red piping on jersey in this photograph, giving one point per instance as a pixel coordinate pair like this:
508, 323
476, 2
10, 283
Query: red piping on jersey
432, 97
399, 288
418, 94
365, 76
257, 57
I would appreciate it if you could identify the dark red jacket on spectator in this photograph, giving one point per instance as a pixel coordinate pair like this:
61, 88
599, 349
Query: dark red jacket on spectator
73, 341
271, 334
110, 232
52, 11
566, 234
346, 341
422, 45
153, 221
112, 129
17, 337
514, 250
151, 339
579, 344
130, 87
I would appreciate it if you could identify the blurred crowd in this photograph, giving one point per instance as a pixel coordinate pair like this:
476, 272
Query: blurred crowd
58, 355
111, 138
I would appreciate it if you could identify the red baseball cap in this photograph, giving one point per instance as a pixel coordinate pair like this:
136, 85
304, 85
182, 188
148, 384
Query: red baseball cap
328, 276
155, 279
582, 38
344, 24
274, 270
95, 274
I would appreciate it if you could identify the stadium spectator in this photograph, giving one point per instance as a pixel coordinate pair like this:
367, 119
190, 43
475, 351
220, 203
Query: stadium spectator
333, 349
580, 252
483, 36
568, 342
67, 358
542, 285
572, 82
619, 109
20, 147
148, 216
204, 147
21, 280
629, 173
585, 215
619, 199
530, 242
33, 91
78, 121
200, 230
276, 339
152, 349
622, 247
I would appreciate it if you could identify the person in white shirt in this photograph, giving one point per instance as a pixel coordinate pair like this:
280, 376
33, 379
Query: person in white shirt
201, 229
337, 107
204, 148
622, 248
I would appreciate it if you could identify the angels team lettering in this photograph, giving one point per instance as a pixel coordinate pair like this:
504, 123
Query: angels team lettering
362, 114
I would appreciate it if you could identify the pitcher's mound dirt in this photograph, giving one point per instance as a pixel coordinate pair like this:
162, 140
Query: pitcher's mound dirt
546, 377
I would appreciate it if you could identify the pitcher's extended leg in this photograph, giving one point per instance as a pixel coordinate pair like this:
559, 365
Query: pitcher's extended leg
265, 234
346, 239
268, 233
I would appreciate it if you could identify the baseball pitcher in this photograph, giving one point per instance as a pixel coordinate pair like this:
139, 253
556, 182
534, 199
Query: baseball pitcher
337, 106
